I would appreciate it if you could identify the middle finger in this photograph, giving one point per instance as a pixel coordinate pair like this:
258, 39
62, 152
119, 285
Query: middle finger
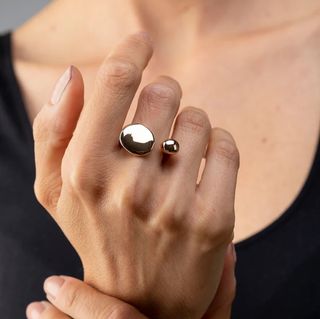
157, 107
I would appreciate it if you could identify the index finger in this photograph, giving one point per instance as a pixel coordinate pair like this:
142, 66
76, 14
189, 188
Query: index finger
116, 84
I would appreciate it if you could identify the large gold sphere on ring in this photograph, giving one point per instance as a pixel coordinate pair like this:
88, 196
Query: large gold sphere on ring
137, 139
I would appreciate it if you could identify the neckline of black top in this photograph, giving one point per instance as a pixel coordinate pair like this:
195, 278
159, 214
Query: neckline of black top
18, 103
13, 92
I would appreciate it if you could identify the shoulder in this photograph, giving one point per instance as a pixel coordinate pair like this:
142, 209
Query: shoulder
32, 58
43, 48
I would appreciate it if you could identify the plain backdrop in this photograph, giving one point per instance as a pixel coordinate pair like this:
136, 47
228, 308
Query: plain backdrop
15, 12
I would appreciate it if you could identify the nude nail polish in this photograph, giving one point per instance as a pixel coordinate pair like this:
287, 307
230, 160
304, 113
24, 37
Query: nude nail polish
35, 310
61, 86
52, 286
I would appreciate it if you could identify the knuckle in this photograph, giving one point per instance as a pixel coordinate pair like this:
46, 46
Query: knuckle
225, 229
135, 193
120, 73
205, 233
168, 222
214, 227
46, 193
224, 232
227, 150
226, 222
169, 218
224, 225
135, 199
194, 120
58, 139
211, 237
87, 183
39, 128
140, 204
157, 96
170, 81
77, 181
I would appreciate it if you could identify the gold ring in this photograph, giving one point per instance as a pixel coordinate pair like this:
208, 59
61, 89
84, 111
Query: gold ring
138, 140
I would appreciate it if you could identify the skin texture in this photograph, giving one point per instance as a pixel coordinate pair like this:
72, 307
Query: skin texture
255, 71
80, 301
143, 227
274, 107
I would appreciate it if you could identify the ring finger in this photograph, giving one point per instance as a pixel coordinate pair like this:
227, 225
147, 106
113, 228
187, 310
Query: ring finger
192, 130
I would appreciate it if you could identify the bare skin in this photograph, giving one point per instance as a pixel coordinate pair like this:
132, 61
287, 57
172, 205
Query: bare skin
257, 77
89, 303
143, 228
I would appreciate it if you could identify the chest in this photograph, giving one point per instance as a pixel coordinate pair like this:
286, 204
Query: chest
270, 102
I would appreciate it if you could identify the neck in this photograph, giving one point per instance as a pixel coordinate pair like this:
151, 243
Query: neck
185, 21
221, 17
175, 25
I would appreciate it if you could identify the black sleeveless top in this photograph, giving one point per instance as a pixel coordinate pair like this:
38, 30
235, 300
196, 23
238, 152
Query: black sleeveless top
278, 269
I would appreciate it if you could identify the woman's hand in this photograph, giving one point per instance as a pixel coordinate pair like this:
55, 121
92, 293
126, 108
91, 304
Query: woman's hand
74, 298
145, 231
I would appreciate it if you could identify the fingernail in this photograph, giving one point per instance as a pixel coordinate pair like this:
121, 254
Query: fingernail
61, 85
52, 286
34, 310
234, 253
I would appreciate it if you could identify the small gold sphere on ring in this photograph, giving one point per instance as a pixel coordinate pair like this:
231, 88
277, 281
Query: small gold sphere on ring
170, 146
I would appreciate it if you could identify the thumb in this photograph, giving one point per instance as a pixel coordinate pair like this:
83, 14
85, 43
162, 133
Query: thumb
78, 300
52, 130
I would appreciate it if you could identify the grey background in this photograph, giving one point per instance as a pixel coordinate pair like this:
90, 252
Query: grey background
15, 12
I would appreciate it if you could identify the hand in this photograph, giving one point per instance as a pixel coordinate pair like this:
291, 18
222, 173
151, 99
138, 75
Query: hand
145, 231
74, 298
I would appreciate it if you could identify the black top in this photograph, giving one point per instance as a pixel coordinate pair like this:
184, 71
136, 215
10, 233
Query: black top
278, 269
